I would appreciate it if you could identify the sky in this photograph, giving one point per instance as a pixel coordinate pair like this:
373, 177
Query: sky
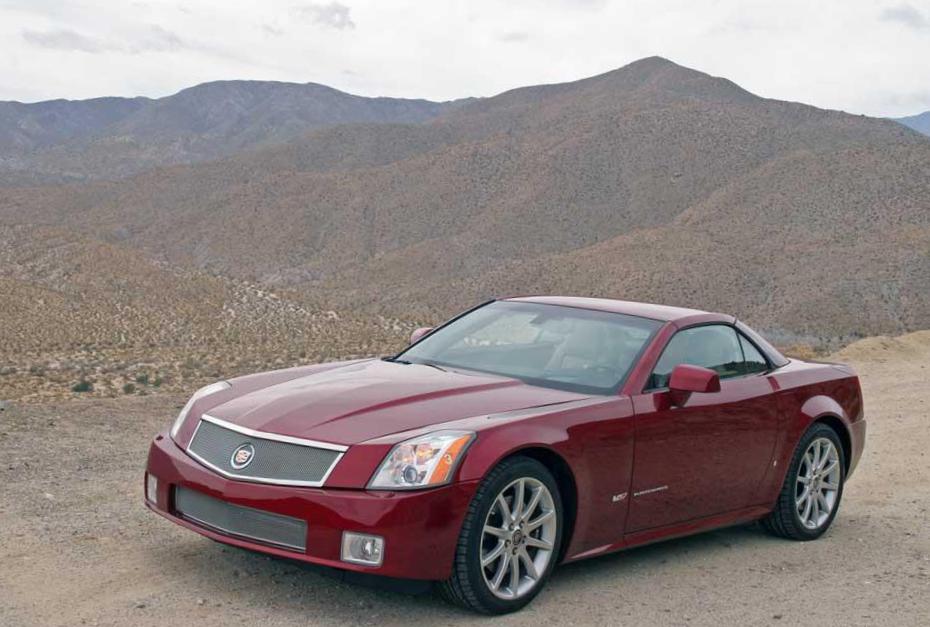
861, 56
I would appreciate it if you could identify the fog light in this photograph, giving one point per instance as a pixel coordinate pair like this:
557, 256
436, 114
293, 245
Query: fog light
151, 488
360, 548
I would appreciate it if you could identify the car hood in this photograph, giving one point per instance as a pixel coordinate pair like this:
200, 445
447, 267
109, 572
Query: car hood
370, 399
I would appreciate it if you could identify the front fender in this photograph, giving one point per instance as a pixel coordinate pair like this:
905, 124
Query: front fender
594, 439
492, 447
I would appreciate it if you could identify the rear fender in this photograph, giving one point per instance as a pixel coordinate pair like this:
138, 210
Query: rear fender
815, 408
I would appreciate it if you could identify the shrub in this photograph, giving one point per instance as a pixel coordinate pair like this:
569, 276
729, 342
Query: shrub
129, 388
82, 386
142, 379
157, 382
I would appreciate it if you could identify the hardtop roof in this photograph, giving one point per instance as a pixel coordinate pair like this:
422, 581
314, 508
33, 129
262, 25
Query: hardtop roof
664, 313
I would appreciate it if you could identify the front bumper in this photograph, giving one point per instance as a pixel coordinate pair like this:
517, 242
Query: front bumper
420, 528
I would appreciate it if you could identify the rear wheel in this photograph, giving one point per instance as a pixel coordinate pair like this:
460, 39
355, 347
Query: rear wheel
813, 488
509, 541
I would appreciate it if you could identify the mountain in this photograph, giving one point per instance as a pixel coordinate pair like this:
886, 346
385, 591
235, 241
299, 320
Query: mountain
652, 182
106, 138
919, 122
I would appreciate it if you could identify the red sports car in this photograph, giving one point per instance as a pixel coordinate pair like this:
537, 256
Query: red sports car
523, 433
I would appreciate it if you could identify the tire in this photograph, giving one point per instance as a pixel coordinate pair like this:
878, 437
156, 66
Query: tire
792, 517
472, 585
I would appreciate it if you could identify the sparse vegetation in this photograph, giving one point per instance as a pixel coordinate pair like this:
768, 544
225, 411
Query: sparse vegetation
652, 182
161, 331
82, 386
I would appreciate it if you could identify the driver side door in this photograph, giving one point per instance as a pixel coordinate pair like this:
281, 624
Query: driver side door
708, 456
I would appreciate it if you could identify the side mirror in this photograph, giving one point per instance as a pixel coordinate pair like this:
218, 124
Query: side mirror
687, 379
416, 335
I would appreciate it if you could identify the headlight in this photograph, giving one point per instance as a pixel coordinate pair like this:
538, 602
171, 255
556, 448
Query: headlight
422, 462
213, 388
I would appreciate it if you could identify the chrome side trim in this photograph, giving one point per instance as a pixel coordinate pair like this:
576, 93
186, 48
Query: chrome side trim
661, 488
266, 436
273, 436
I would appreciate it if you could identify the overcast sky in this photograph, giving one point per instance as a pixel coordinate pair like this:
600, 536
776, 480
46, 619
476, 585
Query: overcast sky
863, 56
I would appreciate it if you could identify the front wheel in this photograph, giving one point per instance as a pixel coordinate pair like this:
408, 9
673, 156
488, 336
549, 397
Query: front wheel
813, 487
510, 539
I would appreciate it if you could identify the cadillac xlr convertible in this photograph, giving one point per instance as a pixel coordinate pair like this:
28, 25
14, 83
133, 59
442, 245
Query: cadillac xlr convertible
521, 434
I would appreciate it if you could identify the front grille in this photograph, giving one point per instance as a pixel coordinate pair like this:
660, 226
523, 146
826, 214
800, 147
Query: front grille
245, 522
274, 459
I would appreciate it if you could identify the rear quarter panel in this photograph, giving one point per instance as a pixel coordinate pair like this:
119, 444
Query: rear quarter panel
805, 393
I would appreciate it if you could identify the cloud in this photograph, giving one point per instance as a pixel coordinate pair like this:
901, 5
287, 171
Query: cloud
153, 39
907, 15
157, 39
583, 4
514, 36
65, 39
334, 14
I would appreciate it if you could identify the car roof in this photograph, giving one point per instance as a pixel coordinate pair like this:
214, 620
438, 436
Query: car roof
665, 313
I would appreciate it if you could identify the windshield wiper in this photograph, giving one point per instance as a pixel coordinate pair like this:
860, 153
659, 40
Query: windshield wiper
432, 365
394, 360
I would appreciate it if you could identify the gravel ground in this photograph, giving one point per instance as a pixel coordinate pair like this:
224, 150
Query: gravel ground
77, 546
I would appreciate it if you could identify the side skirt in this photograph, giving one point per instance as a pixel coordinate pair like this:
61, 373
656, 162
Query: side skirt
678, 530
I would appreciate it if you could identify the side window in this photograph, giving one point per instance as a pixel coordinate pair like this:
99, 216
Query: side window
755, 361
714, 346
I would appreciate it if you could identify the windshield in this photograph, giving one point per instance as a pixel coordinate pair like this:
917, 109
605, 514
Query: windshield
549, 345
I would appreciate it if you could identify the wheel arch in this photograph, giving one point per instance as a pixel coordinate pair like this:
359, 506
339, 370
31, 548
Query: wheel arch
564, 479
842, 431
824, 409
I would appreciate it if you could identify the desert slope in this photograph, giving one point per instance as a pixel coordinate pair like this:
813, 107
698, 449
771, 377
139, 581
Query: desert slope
651, 182
78, 310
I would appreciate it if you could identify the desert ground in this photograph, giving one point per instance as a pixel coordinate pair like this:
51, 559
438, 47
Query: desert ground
78, 548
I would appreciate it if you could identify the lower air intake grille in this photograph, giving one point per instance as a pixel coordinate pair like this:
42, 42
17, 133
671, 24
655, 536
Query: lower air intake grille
244, 522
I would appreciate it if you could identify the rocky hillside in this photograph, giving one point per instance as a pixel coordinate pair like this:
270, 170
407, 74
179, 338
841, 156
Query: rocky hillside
650, 182
108, 138
82, 317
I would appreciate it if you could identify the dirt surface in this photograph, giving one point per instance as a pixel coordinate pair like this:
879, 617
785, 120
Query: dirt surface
77, 546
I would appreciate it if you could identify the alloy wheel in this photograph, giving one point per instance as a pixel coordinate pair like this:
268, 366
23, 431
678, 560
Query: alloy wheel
518, 539
818, 483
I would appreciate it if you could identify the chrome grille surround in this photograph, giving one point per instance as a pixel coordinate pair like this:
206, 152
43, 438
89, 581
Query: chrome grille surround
239, 521
277, 459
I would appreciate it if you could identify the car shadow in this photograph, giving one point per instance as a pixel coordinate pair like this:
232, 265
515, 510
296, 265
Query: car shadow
330, 595
636, 559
